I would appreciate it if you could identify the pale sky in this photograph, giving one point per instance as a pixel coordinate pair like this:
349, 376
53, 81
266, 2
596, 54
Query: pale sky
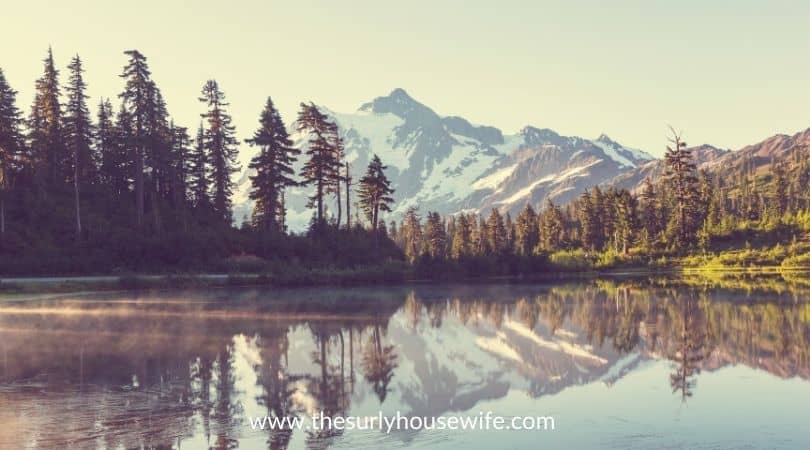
727, 73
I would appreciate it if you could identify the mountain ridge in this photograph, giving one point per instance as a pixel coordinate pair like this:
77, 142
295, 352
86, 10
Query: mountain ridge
448, 164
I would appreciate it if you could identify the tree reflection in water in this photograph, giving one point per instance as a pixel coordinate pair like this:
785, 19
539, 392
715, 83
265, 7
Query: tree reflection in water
167, 371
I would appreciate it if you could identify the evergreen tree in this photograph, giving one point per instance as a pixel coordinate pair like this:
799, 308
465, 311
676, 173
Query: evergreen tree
180, 168
435, 235
462, 237
589, 223
220, 144
112, 160
79, 136
780, 188
626, 222
551, 227
273, 167
650, 210
680, 173
347, 179
198, 171
411, 234
375, 191
136, 100
526, 231
495, 232
322, 169
51, 158
11, 144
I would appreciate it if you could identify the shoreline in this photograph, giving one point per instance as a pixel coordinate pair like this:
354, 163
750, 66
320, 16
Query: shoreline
10, 286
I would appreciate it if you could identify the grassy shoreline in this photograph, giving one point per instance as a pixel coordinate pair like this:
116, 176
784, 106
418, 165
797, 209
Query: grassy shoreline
365, 276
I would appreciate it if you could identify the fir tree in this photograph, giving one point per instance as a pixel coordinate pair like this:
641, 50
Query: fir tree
780, 188
526, 231
626, 224
180, 157
272, 166
680, 173
462, 237
347, 179
220, 144
11, 144
52, 161
588, 222
322, 166
495, 232
375, 192
112, 162
650, 210
551, 227
198, 171
435, 235
79, 136
136, 99
411, 234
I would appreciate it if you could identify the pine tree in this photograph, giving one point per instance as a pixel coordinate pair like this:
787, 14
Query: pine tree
589, 223
52, 161
435, 236
626, 224
339, 153
462, 237
780, 189
526, 231
124, 134
347, 179
680, 173
650, 210
178, 177
112, 161
480, 238
411, 234
272, 166
221, 146
375, 191
551, 227
322, 169
495, 232
198, 171
11, 144
79, 136
158, 154
136, 100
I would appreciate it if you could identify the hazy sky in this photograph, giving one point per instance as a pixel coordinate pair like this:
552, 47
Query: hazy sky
726, 73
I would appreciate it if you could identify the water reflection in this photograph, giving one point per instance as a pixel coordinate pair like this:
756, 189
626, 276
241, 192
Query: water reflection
172, 370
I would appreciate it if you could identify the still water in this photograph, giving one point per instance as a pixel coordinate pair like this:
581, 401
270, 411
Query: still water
617, 364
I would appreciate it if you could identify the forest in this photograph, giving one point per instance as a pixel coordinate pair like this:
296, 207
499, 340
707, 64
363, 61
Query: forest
130, 190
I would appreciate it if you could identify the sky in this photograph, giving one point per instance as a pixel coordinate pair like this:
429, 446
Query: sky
727, 73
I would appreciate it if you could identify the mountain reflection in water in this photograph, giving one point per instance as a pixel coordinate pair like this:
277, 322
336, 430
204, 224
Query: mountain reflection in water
187, 369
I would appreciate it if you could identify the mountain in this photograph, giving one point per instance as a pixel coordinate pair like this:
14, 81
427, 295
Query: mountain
633, 179
448, 164
757, 159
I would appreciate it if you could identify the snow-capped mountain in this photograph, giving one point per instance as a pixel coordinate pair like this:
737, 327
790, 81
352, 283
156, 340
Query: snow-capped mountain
448, 164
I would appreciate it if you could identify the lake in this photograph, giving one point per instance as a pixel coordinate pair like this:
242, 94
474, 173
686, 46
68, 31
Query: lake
635, 363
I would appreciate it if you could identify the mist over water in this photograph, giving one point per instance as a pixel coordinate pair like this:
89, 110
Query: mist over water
625, 364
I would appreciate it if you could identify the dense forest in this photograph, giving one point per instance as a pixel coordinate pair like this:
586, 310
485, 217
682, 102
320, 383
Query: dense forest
130, 189
133, 190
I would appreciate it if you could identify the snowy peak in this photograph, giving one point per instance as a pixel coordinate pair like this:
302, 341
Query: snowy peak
449, 164
402, 105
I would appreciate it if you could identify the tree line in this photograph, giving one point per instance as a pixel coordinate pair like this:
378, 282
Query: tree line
134, 182
686, 211
72, 177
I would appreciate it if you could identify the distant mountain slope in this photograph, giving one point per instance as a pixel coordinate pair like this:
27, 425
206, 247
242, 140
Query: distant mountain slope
756, 158
448, 164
